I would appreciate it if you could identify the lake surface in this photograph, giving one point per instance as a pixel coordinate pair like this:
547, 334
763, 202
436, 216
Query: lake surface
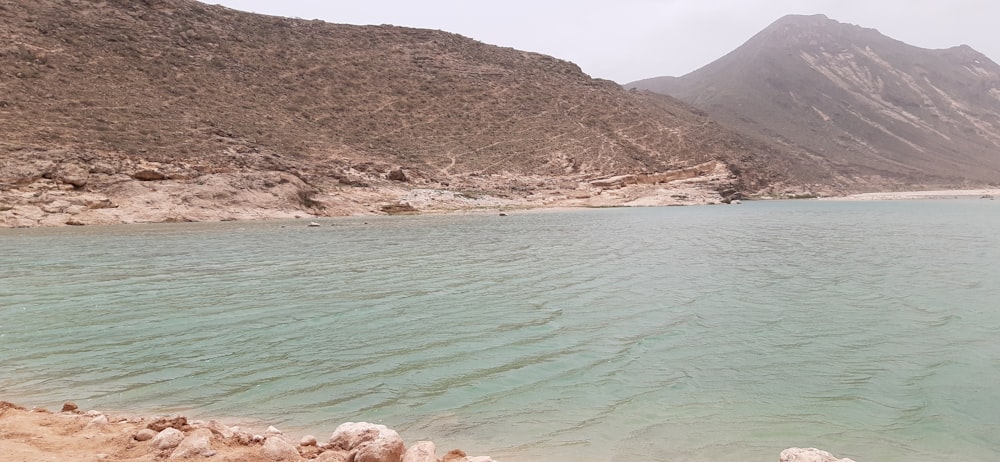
869, 329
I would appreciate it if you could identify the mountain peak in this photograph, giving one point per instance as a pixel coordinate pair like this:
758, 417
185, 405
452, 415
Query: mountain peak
794, 31
804, 19
857, 98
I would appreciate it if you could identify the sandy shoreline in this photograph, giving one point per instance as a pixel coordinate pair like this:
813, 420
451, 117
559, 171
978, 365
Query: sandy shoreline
987, 193
75, 435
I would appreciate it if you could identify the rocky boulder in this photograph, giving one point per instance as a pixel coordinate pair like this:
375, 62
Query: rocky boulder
149, 175
399, 208
219, 428
198, 443
367, 442
168, 438
144, 435
397, 175
277, 449
422, 451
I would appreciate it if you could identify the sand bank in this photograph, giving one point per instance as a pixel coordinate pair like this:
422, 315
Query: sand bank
911, 195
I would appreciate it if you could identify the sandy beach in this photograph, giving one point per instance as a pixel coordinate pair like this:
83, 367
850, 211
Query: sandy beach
75, 435
41, 435
917, 195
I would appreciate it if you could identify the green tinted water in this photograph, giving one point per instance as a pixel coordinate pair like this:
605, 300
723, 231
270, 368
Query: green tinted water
705, 333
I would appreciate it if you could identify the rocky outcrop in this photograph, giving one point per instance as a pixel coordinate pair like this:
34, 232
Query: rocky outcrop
808, 455
701, 170
400, 208
415, 109
149, 175
396, 175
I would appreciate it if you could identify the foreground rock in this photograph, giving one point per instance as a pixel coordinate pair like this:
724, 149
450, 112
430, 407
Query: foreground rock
422, 451
277, 449
198, 443
367, 442
37, 434
168, 439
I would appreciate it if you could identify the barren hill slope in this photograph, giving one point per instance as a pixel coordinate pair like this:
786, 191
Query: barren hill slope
155, 110
872, 106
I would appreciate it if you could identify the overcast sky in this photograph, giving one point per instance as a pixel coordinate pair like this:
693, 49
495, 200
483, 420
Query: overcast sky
626, 40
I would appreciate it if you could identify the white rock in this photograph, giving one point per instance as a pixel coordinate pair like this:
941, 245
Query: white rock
808, 455
144, 435
368, 442
272, 431
169, 438
198, 443
277, 449
308, 440
421, 451
219, 429
98, 421
243, 437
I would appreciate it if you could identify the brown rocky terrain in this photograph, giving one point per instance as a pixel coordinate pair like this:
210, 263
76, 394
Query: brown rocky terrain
173, 110
878, 113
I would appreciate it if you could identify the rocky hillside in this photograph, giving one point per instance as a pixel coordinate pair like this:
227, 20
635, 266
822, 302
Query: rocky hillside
878, 111
153, 110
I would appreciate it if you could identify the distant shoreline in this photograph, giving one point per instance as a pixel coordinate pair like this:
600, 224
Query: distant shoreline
988, 193
117, 217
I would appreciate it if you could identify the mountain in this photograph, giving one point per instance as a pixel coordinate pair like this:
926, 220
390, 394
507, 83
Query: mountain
877, 111
173, 110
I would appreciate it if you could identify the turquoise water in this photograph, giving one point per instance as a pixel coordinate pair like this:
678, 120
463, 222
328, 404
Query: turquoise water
870, 329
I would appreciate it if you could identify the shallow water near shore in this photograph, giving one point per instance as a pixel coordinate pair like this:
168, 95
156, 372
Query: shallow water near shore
869, 329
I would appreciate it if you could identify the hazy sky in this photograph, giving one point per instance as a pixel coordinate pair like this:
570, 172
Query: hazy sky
626, 40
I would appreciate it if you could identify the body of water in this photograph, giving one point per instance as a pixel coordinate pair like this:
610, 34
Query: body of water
869, 329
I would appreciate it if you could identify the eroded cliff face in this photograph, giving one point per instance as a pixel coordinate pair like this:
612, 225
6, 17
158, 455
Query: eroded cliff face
878, 110
233, 115
56, 188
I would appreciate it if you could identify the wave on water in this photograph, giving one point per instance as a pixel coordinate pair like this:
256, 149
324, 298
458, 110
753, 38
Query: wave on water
680, 333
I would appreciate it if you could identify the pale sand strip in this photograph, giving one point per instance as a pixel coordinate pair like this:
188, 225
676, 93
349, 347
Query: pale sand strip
910, 195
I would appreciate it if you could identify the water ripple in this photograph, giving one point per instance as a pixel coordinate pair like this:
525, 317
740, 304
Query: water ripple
681, 333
